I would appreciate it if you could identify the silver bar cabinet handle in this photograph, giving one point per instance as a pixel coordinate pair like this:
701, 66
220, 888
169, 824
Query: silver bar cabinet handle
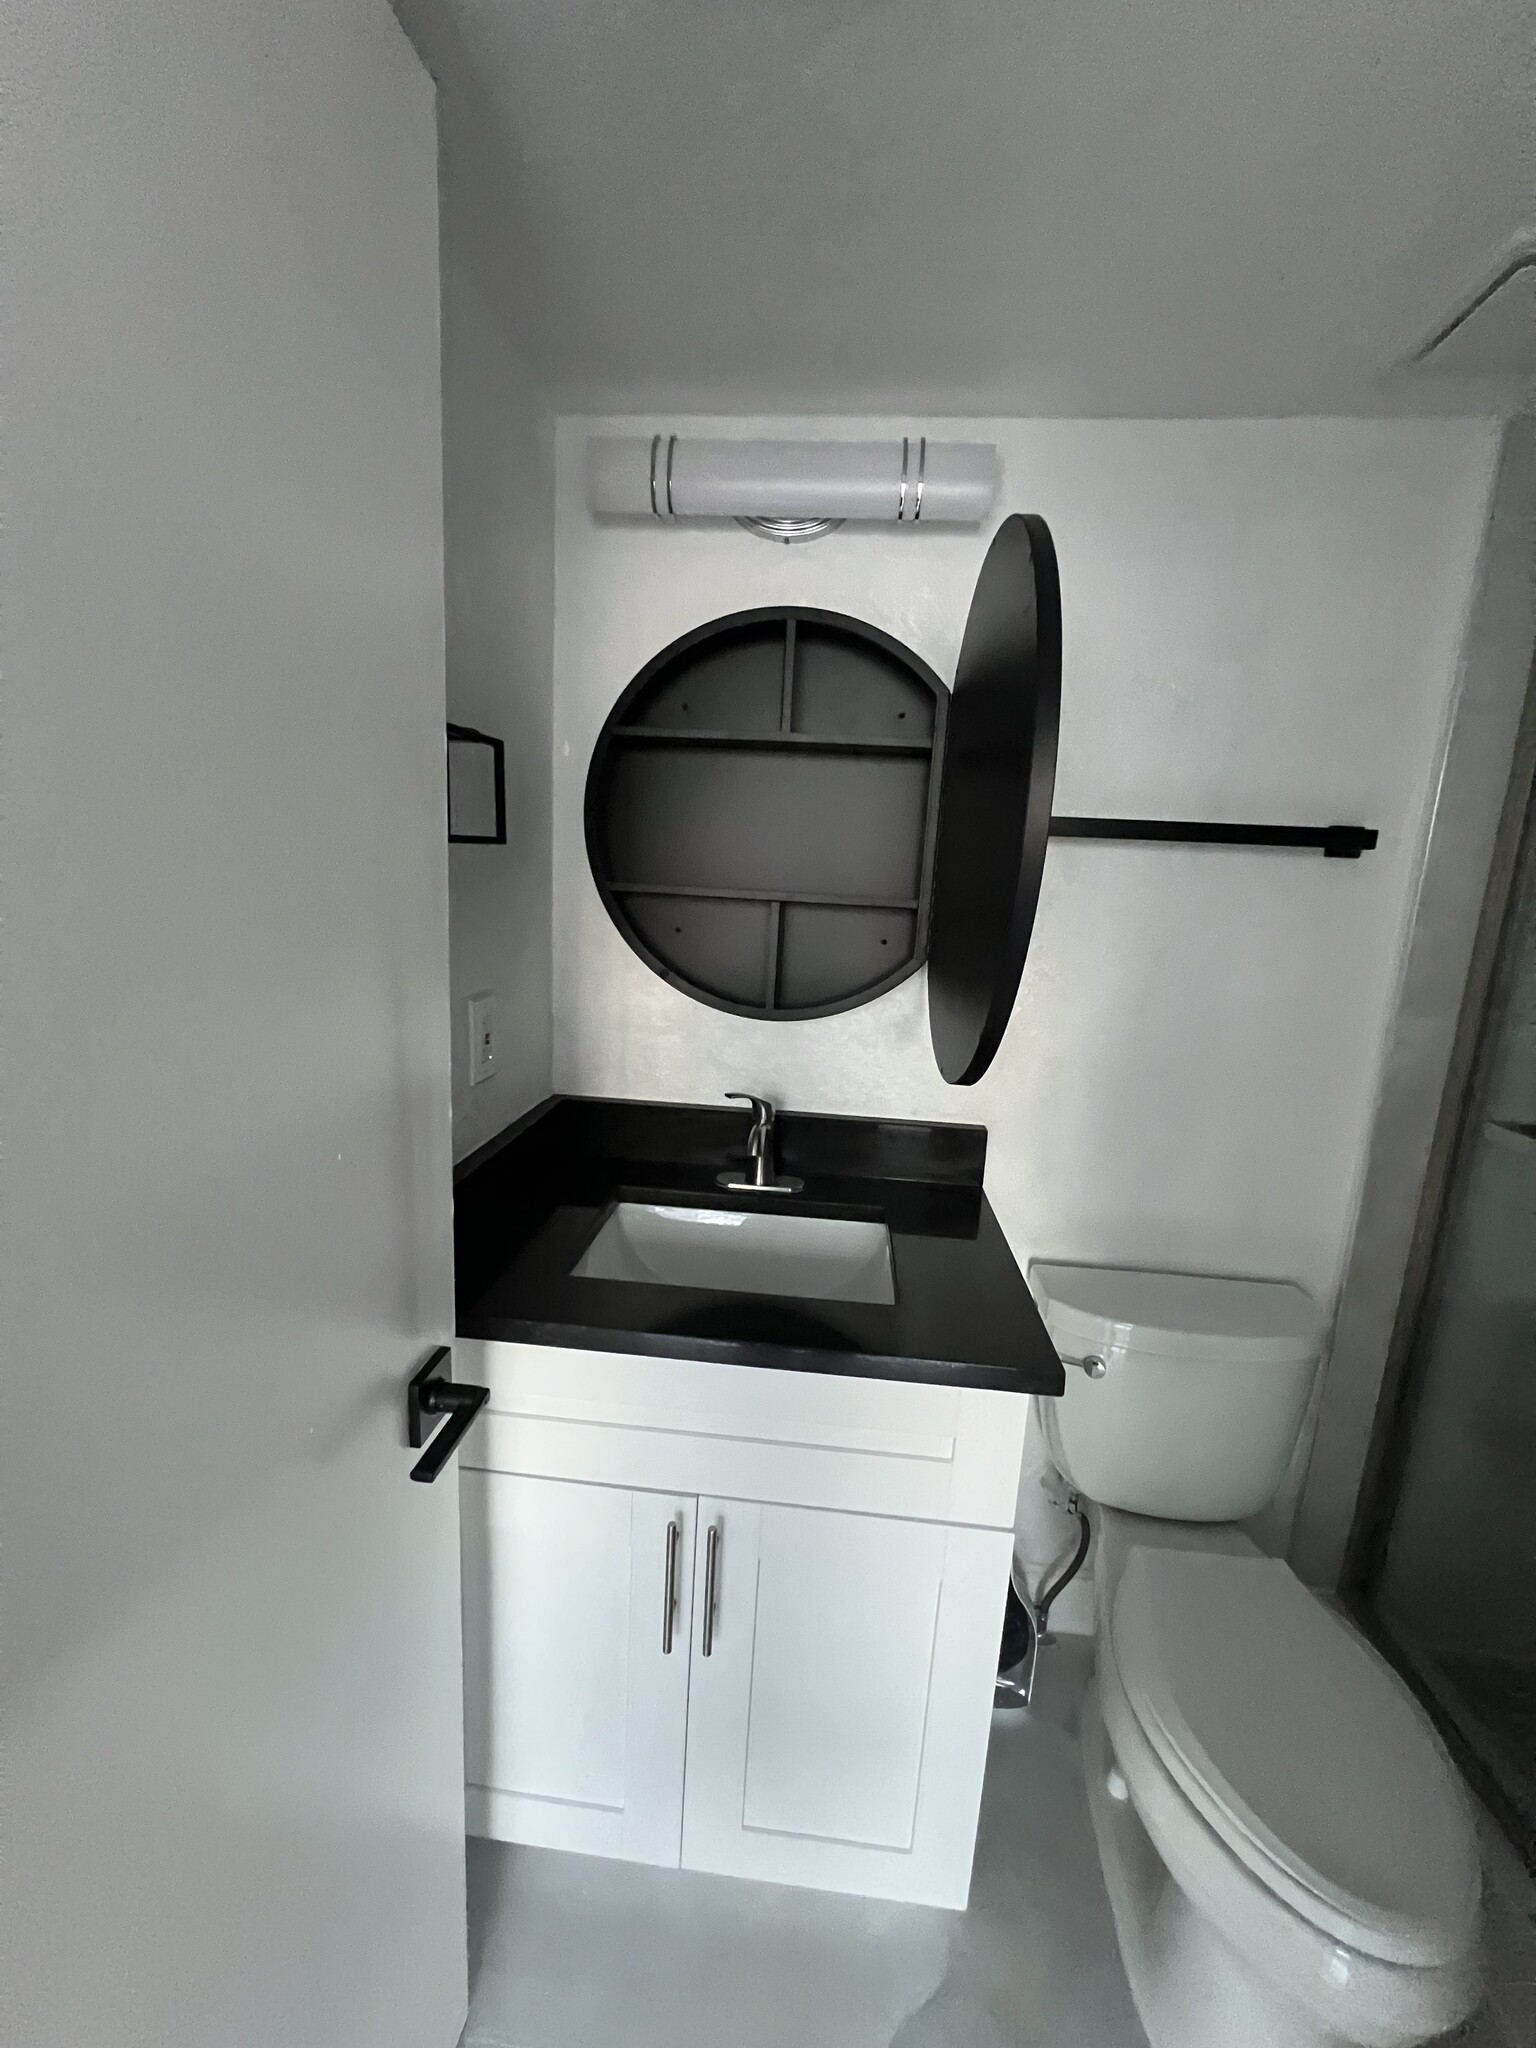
669, 1608
711, 1585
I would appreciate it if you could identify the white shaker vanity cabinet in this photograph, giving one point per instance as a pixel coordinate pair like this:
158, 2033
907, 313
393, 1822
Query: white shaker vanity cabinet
733, 1618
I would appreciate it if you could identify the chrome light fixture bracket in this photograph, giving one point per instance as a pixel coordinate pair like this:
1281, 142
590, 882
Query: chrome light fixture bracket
789, 531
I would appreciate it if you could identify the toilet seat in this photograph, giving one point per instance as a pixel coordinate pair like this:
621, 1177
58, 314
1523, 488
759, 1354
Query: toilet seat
1300, 1750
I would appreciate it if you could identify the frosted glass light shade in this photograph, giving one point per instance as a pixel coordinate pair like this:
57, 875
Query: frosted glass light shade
901, 481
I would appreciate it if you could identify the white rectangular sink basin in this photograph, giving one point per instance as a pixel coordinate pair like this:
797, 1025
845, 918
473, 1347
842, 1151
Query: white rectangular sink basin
816, 1258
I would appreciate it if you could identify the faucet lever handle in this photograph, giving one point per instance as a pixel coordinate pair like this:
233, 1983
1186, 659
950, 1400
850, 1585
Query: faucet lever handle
762, 1121
760, 1149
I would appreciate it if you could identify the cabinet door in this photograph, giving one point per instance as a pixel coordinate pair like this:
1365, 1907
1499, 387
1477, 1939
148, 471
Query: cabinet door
841, 1698
575, 1707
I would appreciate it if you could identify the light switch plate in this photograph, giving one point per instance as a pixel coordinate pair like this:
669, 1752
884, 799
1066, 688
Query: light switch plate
482, 1038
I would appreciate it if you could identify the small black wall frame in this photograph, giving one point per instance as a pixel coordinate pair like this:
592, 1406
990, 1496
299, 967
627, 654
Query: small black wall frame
467, 736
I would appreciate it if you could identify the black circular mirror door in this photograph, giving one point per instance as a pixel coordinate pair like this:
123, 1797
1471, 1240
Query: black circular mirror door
761, 811
999, 779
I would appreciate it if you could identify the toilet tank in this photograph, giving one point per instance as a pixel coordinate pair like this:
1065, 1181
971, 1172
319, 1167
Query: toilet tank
1204, 1386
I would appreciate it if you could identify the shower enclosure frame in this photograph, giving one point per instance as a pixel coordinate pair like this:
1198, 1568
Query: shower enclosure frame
1509, 899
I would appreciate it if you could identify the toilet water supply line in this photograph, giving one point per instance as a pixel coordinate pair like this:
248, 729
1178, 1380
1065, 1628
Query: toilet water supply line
1037, 1610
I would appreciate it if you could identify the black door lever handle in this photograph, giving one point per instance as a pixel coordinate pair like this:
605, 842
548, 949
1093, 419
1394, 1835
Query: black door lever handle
431, 1393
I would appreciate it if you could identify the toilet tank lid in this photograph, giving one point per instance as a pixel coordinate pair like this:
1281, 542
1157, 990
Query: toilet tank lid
1187, 1315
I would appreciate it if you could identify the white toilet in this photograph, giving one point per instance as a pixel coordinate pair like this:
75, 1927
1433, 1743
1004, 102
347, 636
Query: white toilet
1288, 1849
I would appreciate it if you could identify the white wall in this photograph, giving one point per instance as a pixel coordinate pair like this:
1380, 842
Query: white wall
498, 492
1262, 621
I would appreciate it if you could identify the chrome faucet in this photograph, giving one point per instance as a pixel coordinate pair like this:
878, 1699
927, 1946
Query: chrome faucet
764, 1180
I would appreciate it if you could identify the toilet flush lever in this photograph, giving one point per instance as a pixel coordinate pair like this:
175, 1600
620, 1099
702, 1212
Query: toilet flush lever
1092, 1365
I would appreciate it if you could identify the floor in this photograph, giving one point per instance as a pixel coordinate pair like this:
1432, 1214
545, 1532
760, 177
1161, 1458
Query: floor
573, 1952
1508, 2019
1495, 1703
570, 1952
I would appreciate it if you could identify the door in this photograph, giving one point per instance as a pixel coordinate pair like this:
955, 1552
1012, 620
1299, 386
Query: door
234, 1782
840, 1697
577, 1608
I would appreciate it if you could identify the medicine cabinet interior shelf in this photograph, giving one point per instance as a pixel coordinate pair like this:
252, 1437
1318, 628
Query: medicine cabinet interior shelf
762, 808
787, 742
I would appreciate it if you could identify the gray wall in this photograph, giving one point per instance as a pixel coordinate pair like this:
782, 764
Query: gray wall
498, 492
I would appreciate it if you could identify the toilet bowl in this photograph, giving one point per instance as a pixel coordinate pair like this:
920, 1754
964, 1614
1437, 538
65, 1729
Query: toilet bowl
1288, 1849
1292, 1860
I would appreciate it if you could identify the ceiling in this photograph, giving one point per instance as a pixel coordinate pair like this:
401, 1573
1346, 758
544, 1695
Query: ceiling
1055, 207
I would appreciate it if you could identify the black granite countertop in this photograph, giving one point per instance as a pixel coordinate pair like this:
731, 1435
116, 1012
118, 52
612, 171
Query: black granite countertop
527, 1205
